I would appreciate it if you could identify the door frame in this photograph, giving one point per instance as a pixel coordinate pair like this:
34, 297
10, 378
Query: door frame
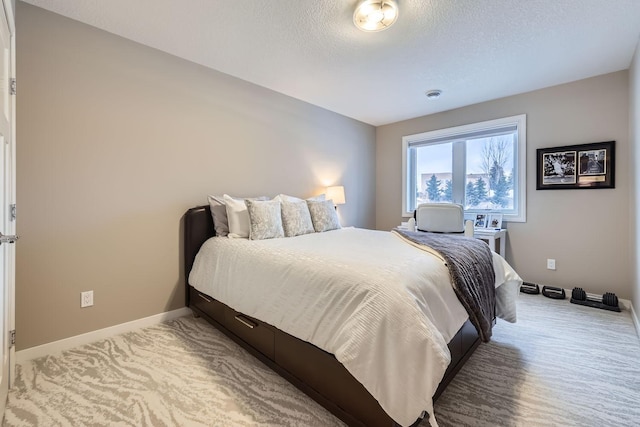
10, 198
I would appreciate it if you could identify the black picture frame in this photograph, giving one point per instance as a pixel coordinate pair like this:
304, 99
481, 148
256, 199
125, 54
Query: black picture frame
582, 166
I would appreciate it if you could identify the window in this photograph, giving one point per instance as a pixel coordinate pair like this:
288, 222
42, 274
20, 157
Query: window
481, 166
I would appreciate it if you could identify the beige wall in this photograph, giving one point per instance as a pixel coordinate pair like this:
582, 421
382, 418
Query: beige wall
116, 141
634, 137
586, 231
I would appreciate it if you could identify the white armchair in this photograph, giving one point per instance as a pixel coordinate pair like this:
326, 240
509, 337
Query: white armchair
442, 218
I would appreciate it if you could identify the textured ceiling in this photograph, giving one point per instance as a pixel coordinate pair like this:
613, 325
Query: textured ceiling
473, 50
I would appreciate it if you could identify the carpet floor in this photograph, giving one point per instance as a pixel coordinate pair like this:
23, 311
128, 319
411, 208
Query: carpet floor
560, 365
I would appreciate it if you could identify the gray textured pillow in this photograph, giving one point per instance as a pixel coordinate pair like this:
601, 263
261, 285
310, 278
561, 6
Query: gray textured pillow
323, 215
286, 198
265, 219
296, 219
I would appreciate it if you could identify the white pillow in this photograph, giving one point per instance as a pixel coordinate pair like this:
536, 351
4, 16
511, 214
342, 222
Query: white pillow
238, 216
323, 215
296, 219
219, 212
265, 221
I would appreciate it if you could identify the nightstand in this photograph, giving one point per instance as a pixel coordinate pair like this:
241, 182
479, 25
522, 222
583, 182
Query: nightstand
490, 235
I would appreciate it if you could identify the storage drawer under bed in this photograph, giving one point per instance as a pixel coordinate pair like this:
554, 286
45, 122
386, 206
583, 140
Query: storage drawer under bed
208, 305
254, 332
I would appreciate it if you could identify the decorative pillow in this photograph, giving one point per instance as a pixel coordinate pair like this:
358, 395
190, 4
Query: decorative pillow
237, 216
265, 220
296, 219
323, 215
285, 198
219, 215
319, 198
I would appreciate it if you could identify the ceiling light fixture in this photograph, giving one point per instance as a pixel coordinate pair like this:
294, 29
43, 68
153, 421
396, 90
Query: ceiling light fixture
433, 94
375, 15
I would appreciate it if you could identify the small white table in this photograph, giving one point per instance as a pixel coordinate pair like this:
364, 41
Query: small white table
490, 235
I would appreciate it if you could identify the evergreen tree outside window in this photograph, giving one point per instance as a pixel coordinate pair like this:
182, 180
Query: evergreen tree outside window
481, 166
447, 195
433, 189
472, 196
480, 189
501, 192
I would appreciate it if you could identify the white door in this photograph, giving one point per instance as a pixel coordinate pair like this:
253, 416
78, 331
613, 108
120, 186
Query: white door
7, 197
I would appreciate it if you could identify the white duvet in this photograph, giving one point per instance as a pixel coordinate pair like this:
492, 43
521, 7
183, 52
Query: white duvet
384, 308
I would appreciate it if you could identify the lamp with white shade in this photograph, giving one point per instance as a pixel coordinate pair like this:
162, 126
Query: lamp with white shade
336, 193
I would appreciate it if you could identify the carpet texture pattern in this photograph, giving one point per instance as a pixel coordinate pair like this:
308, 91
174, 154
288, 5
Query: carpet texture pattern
561, 364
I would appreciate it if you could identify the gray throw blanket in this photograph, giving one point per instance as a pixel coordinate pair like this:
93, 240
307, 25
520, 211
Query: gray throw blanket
470, 265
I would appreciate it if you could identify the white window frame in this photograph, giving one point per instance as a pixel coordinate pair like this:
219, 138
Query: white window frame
520, 121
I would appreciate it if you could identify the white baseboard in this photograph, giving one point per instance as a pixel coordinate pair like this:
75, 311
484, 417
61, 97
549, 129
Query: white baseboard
628, 305
89, 337
624, 304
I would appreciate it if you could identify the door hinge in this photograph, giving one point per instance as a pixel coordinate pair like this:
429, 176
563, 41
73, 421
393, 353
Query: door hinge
12, 338
12, 212
12, 86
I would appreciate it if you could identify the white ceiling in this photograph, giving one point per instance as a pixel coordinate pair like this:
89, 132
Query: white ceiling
473, 50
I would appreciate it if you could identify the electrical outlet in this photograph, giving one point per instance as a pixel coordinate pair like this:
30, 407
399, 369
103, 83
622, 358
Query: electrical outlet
86, 299
551, 264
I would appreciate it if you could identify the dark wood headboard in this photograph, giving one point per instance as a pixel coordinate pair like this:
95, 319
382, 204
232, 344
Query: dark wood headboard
198, 227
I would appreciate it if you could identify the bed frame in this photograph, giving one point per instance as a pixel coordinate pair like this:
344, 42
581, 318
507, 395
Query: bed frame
314, 371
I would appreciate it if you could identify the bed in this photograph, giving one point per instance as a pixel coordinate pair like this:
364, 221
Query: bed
278, 343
